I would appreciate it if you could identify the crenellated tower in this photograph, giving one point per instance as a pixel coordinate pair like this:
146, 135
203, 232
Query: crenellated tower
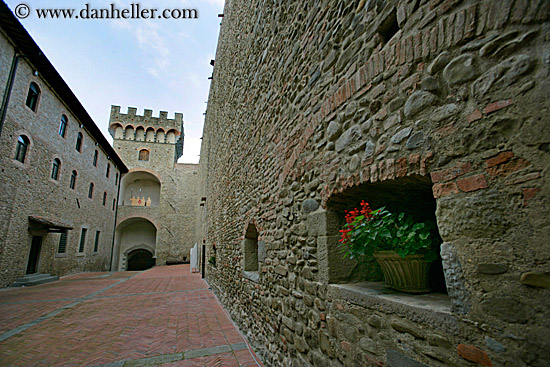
156, 214
137, 137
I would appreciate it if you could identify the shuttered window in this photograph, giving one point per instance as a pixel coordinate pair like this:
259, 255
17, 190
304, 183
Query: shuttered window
62, 248
82, 239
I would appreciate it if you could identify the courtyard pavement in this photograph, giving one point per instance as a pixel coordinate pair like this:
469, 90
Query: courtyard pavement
164, 316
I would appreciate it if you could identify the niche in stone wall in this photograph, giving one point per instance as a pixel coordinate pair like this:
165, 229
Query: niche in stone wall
389, 27
251, 249
250, 253
411, 195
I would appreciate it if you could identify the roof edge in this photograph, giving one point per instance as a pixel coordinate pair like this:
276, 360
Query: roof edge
26, 45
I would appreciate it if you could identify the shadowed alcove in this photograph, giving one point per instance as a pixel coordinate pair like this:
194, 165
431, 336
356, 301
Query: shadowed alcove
411, 195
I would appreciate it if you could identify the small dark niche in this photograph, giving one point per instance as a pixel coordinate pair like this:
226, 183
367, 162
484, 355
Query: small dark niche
389, 27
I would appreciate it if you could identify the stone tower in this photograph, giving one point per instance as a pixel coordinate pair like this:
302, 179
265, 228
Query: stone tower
156, 212
160, 136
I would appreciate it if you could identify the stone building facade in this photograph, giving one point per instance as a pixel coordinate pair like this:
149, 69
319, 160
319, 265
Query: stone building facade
59, 178
157, 207
436, 108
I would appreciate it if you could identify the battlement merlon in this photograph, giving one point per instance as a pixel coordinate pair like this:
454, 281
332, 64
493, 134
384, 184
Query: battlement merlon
146, 120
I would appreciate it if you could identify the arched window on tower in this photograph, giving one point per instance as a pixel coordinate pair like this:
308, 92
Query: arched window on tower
143, 155
95, 158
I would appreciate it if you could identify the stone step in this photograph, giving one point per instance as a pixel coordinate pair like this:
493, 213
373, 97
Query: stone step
34, 279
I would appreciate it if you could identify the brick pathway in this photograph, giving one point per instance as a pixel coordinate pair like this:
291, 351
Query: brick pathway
164, 316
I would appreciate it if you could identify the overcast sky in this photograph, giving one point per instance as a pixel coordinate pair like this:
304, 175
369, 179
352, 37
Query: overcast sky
156, 64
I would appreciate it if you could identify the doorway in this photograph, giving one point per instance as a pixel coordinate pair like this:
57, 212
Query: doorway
34, 255
140, 260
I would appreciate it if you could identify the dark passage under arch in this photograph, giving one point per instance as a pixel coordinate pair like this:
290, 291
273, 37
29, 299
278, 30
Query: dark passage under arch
140, 259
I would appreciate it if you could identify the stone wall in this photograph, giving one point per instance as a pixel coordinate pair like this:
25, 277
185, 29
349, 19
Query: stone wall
27, 189
437, 108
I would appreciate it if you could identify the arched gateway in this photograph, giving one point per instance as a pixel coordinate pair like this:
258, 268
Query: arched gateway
135, 244
140, 259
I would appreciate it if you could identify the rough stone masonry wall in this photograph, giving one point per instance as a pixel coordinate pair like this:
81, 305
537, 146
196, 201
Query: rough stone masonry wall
315, 101
27, 189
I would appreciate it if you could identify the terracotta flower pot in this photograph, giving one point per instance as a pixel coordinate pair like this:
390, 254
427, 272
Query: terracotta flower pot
409, 274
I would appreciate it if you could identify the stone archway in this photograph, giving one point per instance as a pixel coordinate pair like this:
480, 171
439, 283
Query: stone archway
139, 259
140, 188
134, 237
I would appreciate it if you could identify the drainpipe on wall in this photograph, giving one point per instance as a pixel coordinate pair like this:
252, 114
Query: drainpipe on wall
9, 86
116, 216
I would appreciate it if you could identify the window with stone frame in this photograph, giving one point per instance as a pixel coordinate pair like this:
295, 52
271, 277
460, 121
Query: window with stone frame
108, 172
250, 249
143, 155
94, 161
91, 190
62, 247
72, 184
78, 145
83, 233
63, 126
21, 149
96, 243
56, 165
33, 96
104, 198
411, 195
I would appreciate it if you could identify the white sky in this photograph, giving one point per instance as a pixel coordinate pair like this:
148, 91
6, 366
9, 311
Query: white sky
156, 64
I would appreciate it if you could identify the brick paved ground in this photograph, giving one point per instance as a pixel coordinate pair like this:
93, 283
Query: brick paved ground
161, 317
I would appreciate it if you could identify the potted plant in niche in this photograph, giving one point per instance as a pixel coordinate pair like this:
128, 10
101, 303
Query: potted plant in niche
402, 247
